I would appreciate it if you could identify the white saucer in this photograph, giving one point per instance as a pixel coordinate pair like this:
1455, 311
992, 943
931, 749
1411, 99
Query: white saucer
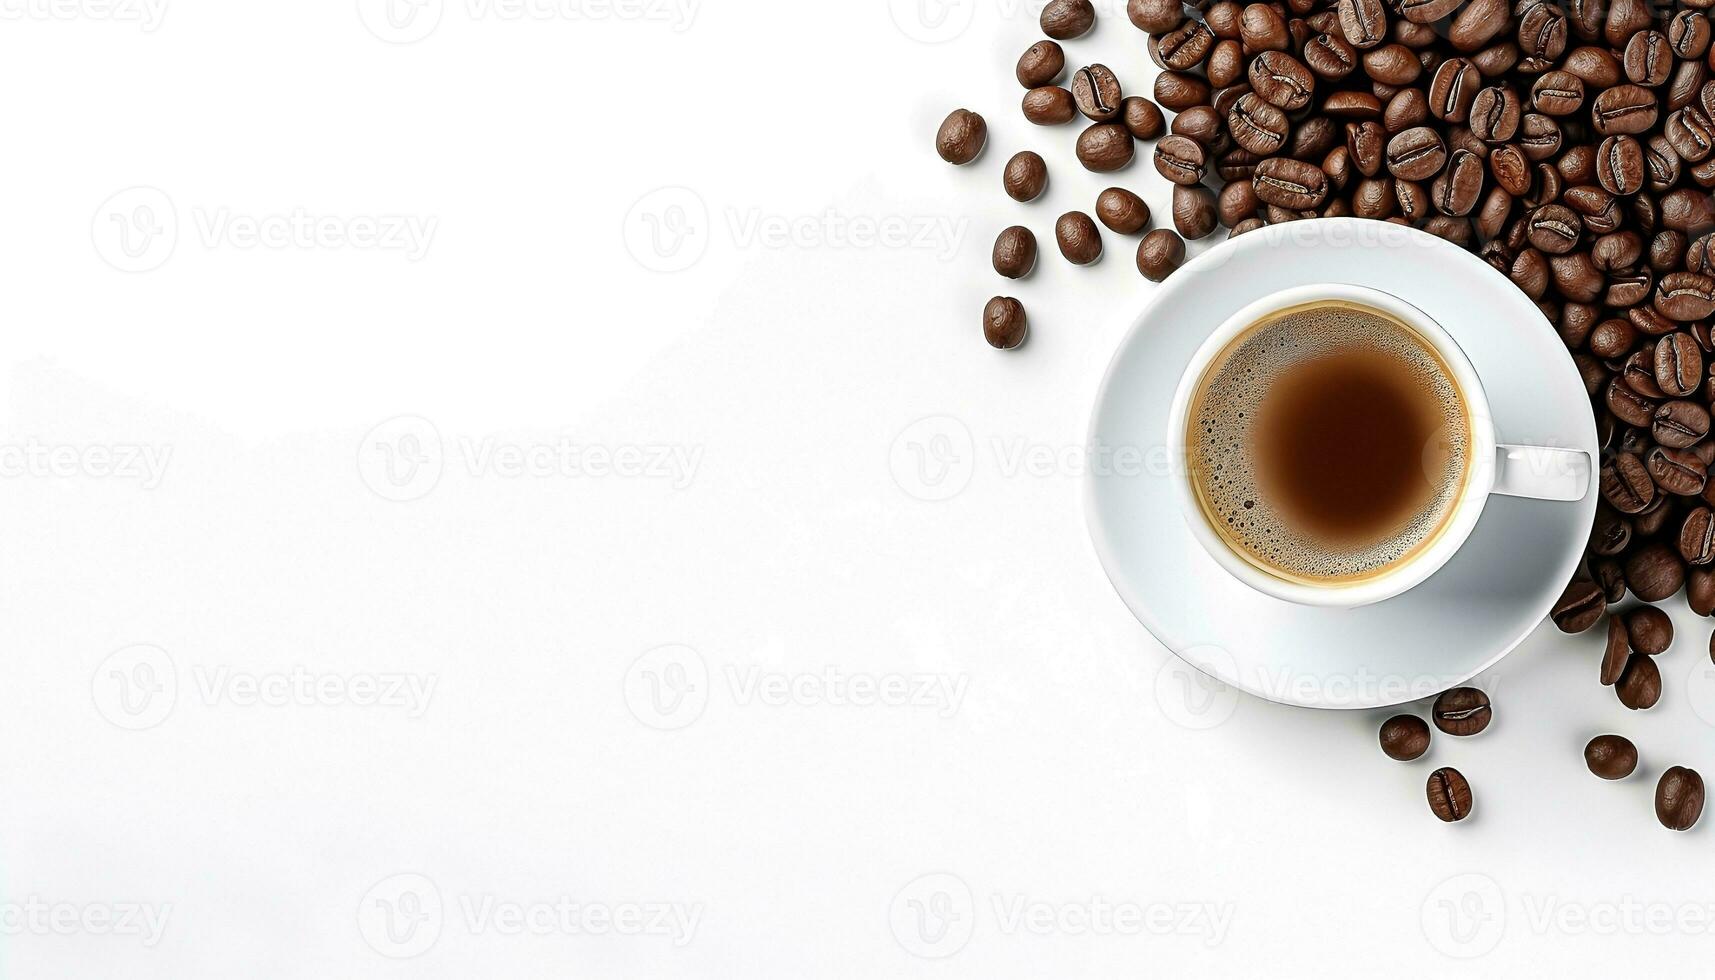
1474, 611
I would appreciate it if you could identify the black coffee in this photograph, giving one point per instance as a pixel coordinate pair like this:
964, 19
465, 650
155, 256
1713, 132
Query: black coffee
1328, 443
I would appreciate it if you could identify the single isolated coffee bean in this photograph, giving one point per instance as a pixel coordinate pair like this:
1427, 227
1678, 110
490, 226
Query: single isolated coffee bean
1650, 630
1639, 687
1078, 238
962, 137
1462, 711
1105, 147
1404, 738
1025, 177
1004, 323
1449, 795
1122, 211
1679, 798
1611, 756
1015, 252
1160, 254
1041, 64
1063, 20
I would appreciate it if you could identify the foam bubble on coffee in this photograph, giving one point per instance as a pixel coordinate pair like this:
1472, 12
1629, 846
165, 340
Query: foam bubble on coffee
1328, 443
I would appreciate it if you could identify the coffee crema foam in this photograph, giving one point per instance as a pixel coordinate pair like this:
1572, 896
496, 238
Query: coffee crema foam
1226, 459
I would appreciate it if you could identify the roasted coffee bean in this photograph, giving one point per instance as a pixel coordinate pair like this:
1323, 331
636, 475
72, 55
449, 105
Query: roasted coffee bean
1511, 172
1492, 214
1453, 90
1478, 23
1624, 110
1529, 272
1495, 114
1096, 92
1200, 123
1684, 84
1122, 211
1257, 126
1685, 296
1679, 798
1690, 133
1282, 80
1616, 252
1557, 93
1595, 207
1555, 229
1637, 372
1650, 630
1004, 323
1025, 177
1577, 165
1611, 756
1049, 105
1579, 607
1366, 144
1449, 795
1226, 64
1462, 711
1363, 22
1194, 212
1628, 288
1142, 117
1180, 160
1353, 105
1648, 60
1179, 90
1155, 16
1542, 30
1338, 166
1611, 578
1160, 254
1106, 147
1078, 238
1330, 57
1625, 18
1236, 203
1697, 536
1649, 322
1313, 138
962, 137
1015, 252
1456, 189
1654, 572
1262, 28
1041, 64
1700, 591
1626, 483
1374, 198
1576, 277
1404, 738
1182, 48
1499, 58
1427, 11
1223, 18
1680, 424
1677, 471
1237, 164
1539, 137
1620, 165
1596, 67
1678, 365
1392, 64
1688, 34
1407, 109
1063, 20
1616, 653
1416, 154
1289, 183
1667, 251
1687, 210
1639, 686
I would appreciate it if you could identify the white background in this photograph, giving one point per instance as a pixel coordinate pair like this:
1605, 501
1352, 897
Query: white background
338, 687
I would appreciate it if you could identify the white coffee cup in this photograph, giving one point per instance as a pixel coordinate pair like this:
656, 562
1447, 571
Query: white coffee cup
1542, 473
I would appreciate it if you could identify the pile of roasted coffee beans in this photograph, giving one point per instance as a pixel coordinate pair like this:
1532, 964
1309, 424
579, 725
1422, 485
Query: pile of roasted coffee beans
1569, 143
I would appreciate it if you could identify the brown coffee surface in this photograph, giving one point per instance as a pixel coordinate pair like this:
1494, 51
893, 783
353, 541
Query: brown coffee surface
1328, 443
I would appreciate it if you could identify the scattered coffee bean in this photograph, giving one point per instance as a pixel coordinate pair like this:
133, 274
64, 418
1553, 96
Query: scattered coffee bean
1462, 711
1105, 147
1679, 798
1449, 795
1096, 92
1611, 756
1639, 687
1049, 106
1078, 238
961, 137
1160, 254
1025, 177
1405, 738
1064, 20
1142, 117
1004, 323
1015, 252
1122, 211
1650, 630
1579, 607
1041, 64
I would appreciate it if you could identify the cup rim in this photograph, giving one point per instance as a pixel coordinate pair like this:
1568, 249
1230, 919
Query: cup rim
1473, 496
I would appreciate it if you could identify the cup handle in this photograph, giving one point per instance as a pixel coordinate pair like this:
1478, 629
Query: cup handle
1541, 473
